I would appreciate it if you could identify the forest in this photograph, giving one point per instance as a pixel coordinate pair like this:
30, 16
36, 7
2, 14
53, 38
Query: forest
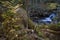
29, 19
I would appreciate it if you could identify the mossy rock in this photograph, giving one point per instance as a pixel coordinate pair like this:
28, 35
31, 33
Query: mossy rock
54, 28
